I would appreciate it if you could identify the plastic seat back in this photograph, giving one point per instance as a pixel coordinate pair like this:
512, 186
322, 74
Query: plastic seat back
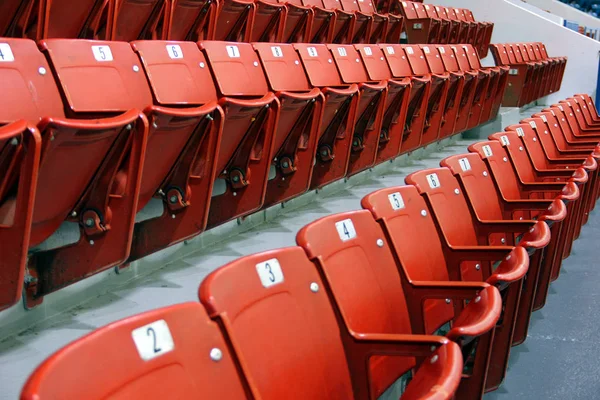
275, 308
136, 19
407, 221
282, 67
364, 280
475, 180
319, 65
20, 147
8, 11
157, 354
397, 61
185, 129
444, 197
433, 59
191, 20
75, 19
530, 130
518, 155
374, 62
349, 63
496, 159
462, 58
416, 59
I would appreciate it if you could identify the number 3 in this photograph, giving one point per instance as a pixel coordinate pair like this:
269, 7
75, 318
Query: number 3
271, 275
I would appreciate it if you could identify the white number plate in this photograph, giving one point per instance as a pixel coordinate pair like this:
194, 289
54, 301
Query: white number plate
174, 51
233, 51
153, 340
345, 229
6, 54
396, 201
269, 272
102, 53
434, 181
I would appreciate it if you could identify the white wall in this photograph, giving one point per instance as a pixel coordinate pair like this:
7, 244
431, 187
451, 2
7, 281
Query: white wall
567, 12
539, 11
517, 24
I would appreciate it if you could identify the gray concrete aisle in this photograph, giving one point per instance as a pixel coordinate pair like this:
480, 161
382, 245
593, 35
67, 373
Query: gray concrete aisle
559, 359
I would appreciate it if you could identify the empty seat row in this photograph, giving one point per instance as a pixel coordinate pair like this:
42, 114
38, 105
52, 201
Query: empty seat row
533, 74
114, 151
437, 24
465, 251
311, 21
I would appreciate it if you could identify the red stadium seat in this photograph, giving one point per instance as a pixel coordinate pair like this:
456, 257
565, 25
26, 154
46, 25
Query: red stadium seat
463, 227
397, 99
339, 114
419, 27
497, 161
191, 20
277, 313
351, 251
437, 95
136, 19
466, 85
20, 147
418, 99
370, 110
488, 204
185, 131
299, 122
93, 184
407, 221
450, 109
251, 114
85, 19
172, 352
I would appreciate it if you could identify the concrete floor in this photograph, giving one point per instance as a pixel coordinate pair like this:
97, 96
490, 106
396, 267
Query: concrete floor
558, 360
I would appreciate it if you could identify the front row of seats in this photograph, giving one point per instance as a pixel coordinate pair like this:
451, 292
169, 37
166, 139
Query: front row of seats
433, 281
112, 151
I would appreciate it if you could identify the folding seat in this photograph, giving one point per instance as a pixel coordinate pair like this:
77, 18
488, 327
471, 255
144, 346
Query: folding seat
9, 9
496, 89
511, 187
474, 27
541, 159
405, 219
520, 77
363, 22
468, 82
456, 26
463, 227
396, 101
250, 21
537, 72
484, 34
252, 112
297, 132
482, 81
445, 26
528, 171
336, 133
419, 96
90, 170
419, 27
191, 20
529, 55
20, 147
438, 94
351, 251
488, 203
370, 109
589, 109
313, 344
184, 135
85, 19
174, 352
384, 28
464, 27
135, 19
561, 65
343, 23
455, 84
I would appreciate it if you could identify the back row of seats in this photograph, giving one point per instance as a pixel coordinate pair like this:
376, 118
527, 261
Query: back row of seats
119, 150
435, 281
437, 24
533, 74
287, 21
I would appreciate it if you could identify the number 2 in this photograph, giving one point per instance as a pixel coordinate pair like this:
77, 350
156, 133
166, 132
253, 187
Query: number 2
151, 332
